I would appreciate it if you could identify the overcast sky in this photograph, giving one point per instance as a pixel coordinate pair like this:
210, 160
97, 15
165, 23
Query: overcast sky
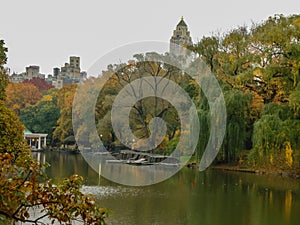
46, 33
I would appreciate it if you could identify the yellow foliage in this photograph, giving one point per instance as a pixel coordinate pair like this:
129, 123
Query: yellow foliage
288, 154
297, 22
257, 72
271, 159
47, 98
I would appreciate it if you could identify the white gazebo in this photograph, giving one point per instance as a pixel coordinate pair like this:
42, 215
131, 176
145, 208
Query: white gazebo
35, 140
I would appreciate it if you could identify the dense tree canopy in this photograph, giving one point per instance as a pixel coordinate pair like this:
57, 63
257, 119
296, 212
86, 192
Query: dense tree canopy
20, 95
42, 117
257, 67
65, 97
40, 83
262, 61
24, 186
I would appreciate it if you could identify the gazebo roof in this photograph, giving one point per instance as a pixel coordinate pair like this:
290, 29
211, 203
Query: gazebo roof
27, 131
29, 134
35, 135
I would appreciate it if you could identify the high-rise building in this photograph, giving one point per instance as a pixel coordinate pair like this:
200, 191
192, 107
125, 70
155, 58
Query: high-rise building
70, 73
180, 39
56, 71
71, 70
31, 72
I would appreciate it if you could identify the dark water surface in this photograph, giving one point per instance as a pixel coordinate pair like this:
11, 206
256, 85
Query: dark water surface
213, 197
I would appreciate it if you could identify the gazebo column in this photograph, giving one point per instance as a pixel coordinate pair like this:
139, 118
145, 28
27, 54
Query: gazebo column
45, 141
30, 142
39, 146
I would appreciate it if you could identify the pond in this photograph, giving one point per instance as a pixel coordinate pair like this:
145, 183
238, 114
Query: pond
189, 197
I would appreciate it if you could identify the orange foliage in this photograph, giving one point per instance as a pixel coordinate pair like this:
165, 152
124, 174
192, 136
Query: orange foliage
20, 95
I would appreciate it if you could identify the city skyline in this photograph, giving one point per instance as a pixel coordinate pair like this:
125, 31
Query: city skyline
46, 33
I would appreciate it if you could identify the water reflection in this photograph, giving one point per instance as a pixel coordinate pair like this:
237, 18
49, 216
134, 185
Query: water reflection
189, 197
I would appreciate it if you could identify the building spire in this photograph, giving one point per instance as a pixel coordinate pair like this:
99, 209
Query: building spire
180, 39
181, 22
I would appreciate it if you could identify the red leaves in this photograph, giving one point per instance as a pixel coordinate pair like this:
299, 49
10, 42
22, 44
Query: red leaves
40, 83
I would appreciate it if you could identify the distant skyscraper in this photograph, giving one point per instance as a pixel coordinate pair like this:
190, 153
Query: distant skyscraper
72, 69
56, 72
70, 73
180, 40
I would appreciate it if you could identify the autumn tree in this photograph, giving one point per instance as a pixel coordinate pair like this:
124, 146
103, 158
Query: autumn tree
147, 107
24, 186
208, 48
20, 95
40, 83
65, 97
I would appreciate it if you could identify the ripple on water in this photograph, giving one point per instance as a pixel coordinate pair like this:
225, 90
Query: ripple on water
109, 191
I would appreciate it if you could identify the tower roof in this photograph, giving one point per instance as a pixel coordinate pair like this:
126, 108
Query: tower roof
182, 23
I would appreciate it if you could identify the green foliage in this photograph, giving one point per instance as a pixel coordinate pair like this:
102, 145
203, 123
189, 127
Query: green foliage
270, 137
24, 186
238, 110
3, 76
207, 48
204, 121
143, 110
42, 117
259, 70
11, 133
294, 102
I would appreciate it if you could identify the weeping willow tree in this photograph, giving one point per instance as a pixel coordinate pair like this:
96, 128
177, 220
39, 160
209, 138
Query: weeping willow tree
267, 140
204, 121
276, 140
294, 102
238, 111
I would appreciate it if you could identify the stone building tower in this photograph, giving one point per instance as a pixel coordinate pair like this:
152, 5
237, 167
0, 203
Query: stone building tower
181, 38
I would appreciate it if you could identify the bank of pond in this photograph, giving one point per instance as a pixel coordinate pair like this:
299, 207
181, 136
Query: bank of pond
215, 196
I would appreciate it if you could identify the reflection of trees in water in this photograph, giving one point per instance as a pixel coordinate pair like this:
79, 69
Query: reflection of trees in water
213, 197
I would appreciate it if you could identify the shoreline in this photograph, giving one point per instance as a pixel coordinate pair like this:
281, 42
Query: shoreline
262, 171
295, 174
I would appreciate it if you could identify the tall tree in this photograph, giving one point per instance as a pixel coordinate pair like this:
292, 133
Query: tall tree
24, 186
65, 98
207, 48
3, 76
21, 95
42, 117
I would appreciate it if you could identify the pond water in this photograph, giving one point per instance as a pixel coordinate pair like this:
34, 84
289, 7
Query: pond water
213, 197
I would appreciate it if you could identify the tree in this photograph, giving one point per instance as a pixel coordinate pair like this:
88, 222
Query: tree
207, 48
146, 108
24, 186
11, 133
238, 110
65, 97
275, 137
20, 95
294, 102
3, 77
276, 43
42, 117
40, 83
